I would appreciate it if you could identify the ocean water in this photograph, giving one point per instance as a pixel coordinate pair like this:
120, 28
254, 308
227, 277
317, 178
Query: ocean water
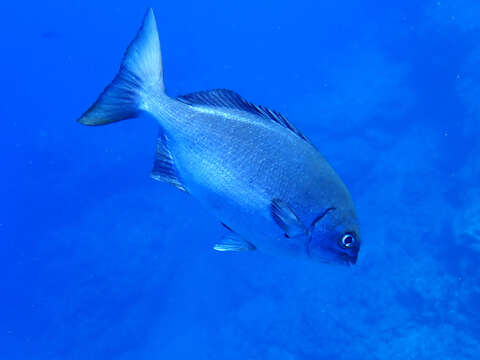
99, 261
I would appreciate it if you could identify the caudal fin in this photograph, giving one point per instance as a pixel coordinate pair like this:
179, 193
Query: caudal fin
141, 71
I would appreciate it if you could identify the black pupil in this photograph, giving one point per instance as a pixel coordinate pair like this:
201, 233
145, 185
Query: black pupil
348, 240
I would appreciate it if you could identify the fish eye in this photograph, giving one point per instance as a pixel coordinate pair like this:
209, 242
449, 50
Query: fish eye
348, 241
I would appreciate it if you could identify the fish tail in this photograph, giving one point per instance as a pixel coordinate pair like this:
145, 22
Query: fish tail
140, 73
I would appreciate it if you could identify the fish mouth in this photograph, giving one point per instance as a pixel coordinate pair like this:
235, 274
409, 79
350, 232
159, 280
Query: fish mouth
351, 262
339, 262
337, 258
349, 259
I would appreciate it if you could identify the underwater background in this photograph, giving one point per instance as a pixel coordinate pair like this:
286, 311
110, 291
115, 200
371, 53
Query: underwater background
99, 261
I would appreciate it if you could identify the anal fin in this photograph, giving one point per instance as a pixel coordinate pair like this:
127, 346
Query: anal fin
164, 168
233, 242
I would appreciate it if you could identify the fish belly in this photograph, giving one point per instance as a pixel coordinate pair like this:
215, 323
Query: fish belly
236, 168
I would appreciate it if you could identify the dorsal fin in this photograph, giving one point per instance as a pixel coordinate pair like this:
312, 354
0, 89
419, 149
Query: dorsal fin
164, 168
230, 99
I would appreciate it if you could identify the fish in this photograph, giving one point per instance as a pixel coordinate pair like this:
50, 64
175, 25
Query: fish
260, 176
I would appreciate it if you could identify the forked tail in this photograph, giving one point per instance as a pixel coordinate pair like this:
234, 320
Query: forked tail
140, 71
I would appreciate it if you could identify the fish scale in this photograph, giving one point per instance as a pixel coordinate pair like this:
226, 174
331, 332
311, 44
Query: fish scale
249, 165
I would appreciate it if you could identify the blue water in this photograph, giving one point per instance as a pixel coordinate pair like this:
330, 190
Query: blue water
99, 261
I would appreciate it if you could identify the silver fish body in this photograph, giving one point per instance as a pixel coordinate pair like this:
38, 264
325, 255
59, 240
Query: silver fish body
253, 169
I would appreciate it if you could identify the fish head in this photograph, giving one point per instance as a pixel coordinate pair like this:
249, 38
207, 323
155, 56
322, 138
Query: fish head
335, 237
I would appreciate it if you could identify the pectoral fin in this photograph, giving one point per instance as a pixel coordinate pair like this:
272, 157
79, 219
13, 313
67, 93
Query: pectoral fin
286, 219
